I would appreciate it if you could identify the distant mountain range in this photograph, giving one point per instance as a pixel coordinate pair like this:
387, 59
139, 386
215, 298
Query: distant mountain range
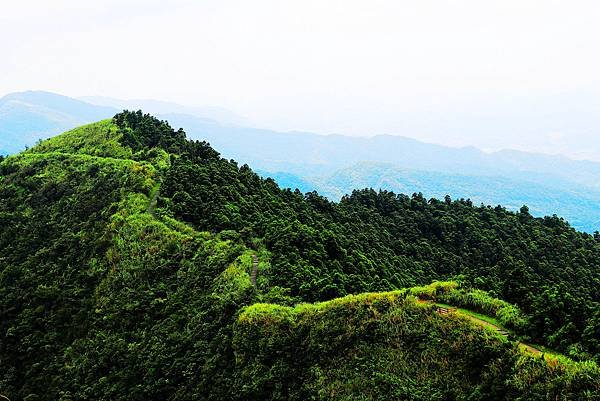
222, 115
336, 164
28, 116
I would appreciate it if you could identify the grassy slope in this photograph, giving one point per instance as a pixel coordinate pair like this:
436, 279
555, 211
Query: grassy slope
107, 275
381, 346
97, 139
55, 212
370, 346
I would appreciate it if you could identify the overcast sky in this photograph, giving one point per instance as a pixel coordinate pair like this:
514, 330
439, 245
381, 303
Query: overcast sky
354, 67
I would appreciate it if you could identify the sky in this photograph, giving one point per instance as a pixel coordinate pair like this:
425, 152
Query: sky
494, 74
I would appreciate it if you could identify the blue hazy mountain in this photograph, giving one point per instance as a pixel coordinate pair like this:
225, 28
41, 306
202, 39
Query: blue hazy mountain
26, 117
220, 114
305, 154
336, 164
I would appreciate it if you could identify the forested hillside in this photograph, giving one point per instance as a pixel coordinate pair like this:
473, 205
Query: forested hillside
126, 253
576, 204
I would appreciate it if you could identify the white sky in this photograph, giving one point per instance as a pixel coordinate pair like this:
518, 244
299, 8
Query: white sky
327, 66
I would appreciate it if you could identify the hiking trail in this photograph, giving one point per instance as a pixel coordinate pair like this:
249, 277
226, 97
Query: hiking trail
445, 311
153, 202
254, 269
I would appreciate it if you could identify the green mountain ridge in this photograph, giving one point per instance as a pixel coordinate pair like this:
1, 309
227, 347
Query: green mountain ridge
105, 297
333, 164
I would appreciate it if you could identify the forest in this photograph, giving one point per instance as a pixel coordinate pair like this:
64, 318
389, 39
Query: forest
126, 252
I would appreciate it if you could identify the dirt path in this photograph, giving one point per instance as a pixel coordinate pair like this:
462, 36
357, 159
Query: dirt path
444, 311
500, 331
481, 322
529, 348
153, 202
254, 269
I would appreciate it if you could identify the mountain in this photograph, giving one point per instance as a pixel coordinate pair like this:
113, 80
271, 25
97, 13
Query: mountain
26, 117
547, 184
137, 264
550, 121
216, 114
306, 153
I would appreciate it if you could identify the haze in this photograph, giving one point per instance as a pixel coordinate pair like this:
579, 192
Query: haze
505, 74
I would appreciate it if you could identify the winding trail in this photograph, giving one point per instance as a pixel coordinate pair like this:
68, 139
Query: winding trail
153, 202
445, 311
254, 269
500, 331
483, 323
529, 348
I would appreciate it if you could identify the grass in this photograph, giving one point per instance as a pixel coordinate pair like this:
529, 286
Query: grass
551, 355
259, 311
96, 139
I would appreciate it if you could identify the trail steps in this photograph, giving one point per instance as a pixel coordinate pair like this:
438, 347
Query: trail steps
254, 269
153, 202
444, 311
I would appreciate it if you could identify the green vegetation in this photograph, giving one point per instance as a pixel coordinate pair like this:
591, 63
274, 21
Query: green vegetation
382, 346
98, 139
106, 295
505, 314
